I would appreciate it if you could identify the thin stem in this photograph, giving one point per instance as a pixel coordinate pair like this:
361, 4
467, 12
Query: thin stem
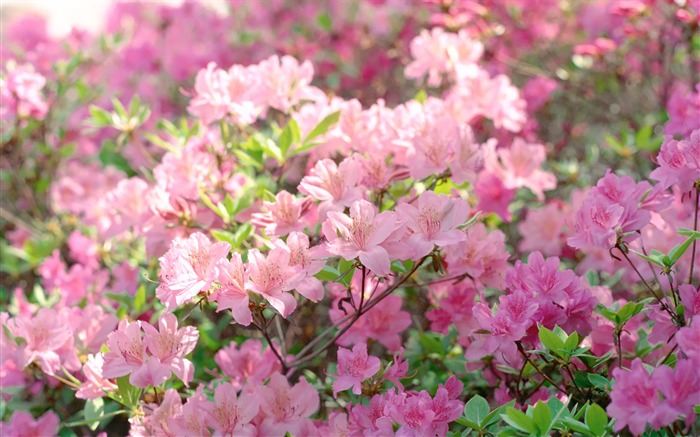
97, 419
544, 375
695, 228
263, 329
155, 393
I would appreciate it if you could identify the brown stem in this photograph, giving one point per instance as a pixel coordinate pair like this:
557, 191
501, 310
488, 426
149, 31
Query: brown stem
695, 228
544, 375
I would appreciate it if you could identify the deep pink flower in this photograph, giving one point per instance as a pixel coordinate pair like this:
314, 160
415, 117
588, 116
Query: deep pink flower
354, 367
681, 389
361, 235
679, 162
635, 400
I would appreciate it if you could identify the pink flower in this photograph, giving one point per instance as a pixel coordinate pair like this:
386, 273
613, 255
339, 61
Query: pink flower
683, 111
128, 355
414, 415
232, 293
519, 166
95, 384
286, 408
20, 93
247, 364
397, 370
635, 400
300, 254
170, 345
437, 52
688, 338
482, 255
681, 389
508, 325
679, 162
22, 424
434, 221
273, 277
192, 418
212, 99
354, 367
543, 230
361, 235
45, 335
285, 83
334, 185
596, 224
434, 148
230, 414
493, 195
189, 267
283, 216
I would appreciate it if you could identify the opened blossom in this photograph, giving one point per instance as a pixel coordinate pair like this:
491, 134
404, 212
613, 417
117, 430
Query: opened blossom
335, 185
433, 221
170, 345
247, 363
273, 277
287, 408
679, 162
354, 367
22, 424
95, 385
282, 216
232, 293
190, 266
231, 414
308, 258
361, 235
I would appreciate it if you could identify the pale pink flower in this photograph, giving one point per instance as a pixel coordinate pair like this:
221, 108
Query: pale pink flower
95, 384
282, 216
469, 158
45, 334
354, 367
308, 258
212, 99
285, 83
519, 166
543, 230
190, 266
20, 93
128, 355
437, 52
360, 235
336, 186
170, 345
434, 148
247, 364
232, 293
22, 424
286, 408
230, 414
192, 417
482, 255
433, 221
273, 277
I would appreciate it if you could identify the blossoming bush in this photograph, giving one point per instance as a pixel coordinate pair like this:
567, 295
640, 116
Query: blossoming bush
353, 218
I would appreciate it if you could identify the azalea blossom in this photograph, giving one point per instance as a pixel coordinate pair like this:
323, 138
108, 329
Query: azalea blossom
170, 345
273, 277
361, 235
354, 367
232, 293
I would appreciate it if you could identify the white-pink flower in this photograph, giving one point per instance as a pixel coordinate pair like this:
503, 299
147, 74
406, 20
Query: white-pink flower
170, 345
232, 293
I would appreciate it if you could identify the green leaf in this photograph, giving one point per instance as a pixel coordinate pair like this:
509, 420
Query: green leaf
468, 423
689, 233
550, 340
599, 381
140, 299
327, 274
225, 236
93, 411
128, 393
290, 135
596, 419
100, 117
320, 129
679, 250
519, 420
571, 342
242, 234
476, 410
542, 416
654, 260
629, 310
